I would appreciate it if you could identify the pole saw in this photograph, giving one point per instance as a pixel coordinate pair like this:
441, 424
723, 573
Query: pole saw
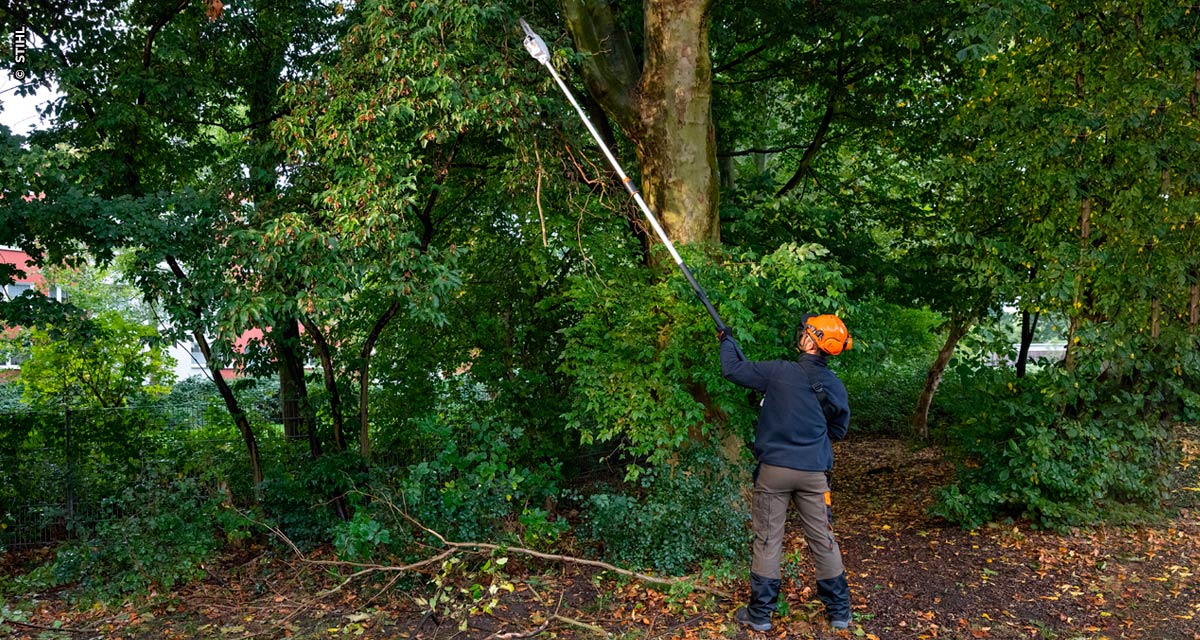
537, 48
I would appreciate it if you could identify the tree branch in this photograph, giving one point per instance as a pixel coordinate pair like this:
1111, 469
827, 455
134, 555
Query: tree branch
453, 547
809, 154
151, 35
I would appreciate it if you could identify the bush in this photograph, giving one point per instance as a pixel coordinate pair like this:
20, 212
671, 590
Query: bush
882, 404
1046, 448
478, 483
303, 504
156, 532
685, 513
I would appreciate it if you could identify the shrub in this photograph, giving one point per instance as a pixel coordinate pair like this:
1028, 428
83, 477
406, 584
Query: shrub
156, 532
885, 371
682, 514
1046, 448
304, 504
477, 484
357, 539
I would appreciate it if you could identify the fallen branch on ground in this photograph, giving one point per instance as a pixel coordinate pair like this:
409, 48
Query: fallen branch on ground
452, 547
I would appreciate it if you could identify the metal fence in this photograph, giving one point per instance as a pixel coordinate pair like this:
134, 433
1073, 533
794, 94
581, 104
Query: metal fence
58, 468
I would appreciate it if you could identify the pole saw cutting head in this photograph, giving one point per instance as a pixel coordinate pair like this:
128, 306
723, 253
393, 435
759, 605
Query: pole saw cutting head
534, 44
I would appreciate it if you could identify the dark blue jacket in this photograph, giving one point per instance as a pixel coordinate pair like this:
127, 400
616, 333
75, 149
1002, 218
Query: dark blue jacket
792, 430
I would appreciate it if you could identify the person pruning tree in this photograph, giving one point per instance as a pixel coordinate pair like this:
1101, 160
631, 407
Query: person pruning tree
793, 440
805, 408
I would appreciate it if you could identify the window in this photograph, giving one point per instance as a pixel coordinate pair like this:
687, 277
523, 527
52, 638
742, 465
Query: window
198, 360
14, 291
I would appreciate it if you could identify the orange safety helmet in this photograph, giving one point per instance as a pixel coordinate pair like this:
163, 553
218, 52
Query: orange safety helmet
829, 333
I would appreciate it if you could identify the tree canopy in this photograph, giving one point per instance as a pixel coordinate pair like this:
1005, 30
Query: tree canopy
396, 196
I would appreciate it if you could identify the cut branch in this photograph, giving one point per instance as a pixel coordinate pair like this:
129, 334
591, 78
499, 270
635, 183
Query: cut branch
452, 547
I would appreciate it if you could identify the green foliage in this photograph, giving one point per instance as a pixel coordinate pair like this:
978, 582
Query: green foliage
885, 370
657, 526
461, 591
11, 394
106, 362
477, 483
644, 357
157, 532
357, 539
1042, 448
300, 503
540, 530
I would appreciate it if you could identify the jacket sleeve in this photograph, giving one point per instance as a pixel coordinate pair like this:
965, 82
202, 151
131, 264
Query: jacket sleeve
839, 422
736, 368
840, 425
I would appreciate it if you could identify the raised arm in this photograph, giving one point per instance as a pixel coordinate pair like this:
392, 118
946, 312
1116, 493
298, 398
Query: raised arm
736, 368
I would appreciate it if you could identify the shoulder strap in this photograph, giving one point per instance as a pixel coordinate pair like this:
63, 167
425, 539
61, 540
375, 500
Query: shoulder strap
819, 390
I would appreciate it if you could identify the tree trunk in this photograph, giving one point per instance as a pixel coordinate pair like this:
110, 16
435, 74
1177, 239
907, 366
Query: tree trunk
293, 393
335, 396
677, 149
664, 108
364, 378
1077, 312
1194, 308
1028, 329
235, 410
297, 410
958, 329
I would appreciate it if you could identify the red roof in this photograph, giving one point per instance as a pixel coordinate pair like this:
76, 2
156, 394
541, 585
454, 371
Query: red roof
20, 260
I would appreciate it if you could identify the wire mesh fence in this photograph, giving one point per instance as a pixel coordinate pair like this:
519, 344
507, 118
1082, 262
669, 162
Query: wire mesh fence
58, 468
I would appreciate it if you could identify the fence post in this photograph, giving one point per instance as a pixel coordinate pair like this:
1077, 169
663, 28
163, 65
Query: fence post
70, 455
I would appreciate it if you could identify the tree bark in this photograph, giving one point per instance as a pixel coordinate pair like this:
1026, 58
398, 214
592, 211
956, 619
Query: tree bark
364, 378
1076, 312
664, 108
1028, 329
335, 396
297, 410
677, 148
958, 329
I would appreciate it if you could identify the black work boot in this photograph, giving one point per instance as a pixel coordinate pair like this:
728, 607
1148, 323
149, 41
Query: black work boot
764, 593
835, 593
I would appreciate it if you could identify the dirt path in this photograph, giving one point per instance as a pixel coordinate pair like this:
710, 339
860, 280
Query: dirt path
912, 576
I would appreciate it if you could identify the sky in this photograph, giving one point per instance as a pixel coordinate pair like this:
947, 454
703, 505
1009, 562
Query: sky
20, 113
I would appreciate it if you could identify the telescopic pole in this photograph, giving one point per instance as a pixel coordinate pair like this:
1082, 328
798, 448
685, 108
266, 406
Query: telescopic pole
537, 48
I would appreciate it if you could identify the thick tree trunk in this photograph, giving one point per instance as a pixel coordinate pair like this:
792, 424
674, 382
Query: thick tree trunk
297, 410
677, 148
958, 329
664, 108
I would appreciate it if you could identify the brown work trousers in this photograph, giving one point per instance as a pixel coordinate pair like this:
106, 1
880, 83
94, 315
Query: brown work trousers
774, 488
